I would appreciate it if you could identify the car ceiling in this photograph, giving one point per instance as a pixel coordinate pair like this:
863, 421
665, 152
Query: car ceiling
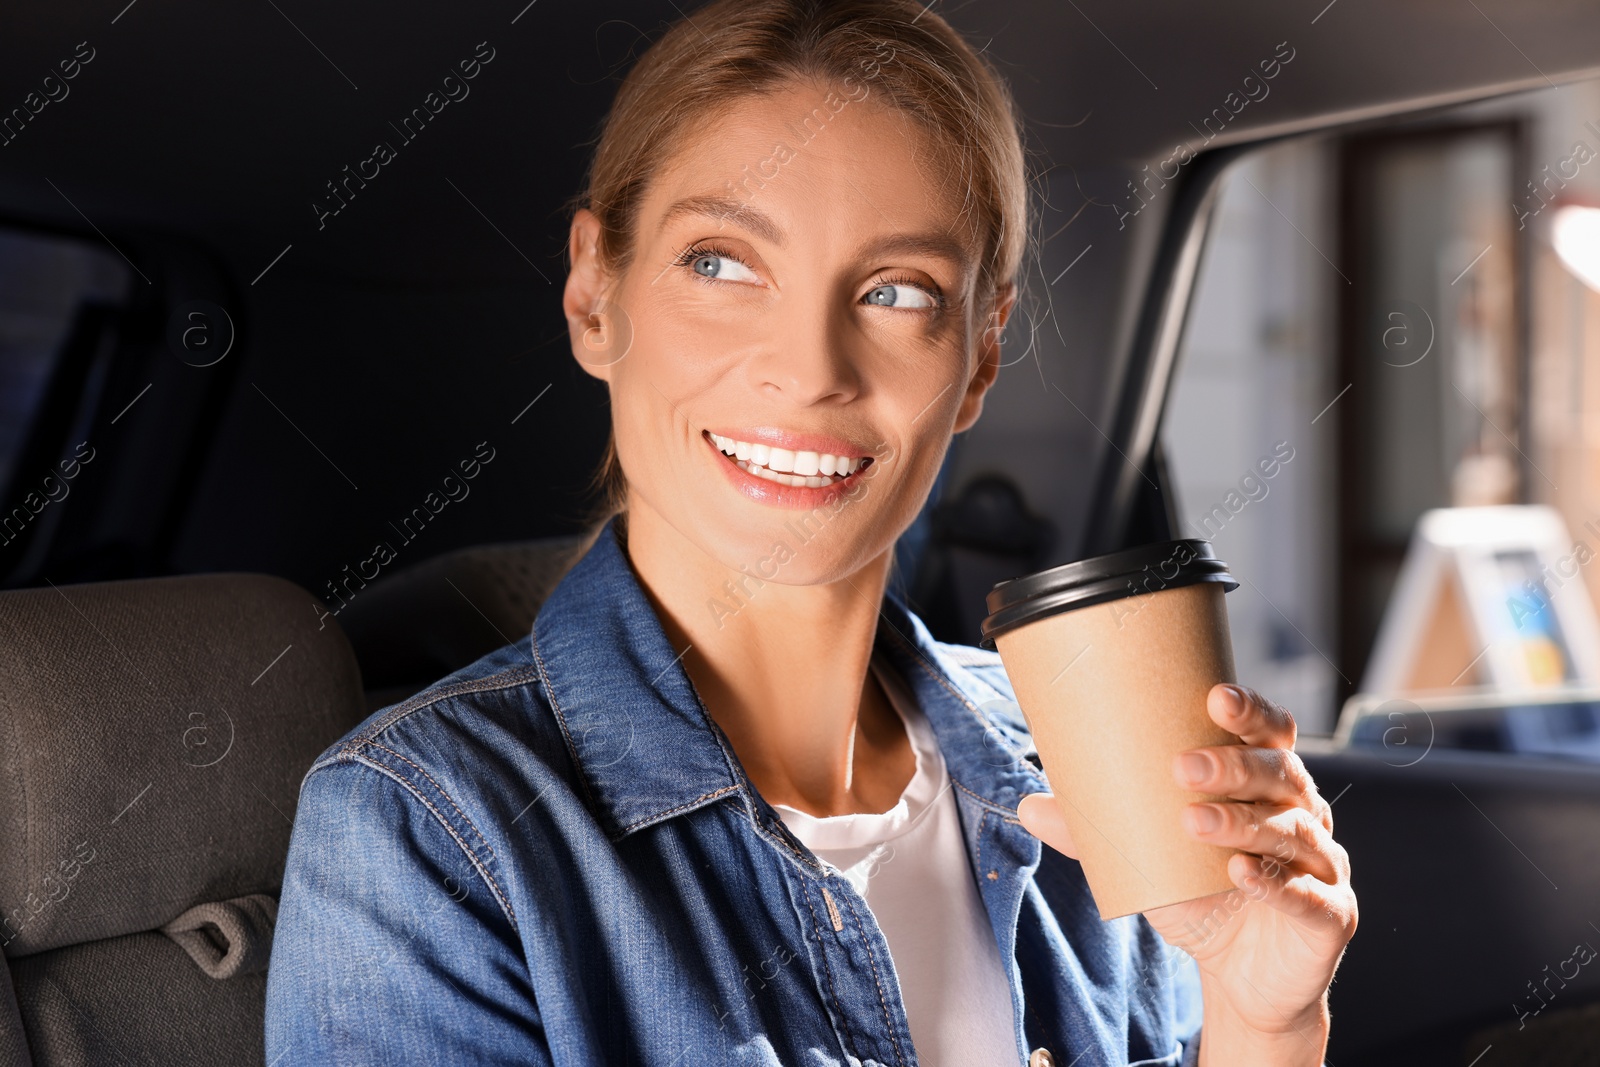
218, 125
226, 120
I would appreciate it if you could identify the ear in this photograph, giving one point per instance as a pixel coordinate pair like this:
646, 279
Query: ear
599, 330
988, 368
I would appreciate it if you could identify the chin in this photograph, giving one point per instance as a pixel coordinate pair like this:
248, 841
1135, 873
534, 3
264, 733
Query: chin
792, 546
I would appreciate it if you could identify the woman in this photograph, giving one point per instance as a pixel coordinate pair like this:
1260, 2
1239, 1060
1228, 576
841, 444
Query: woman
731, 803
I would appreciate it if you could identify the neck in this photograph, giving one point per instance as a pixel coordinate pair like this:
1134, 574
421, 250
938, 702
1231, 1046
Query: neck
782, 669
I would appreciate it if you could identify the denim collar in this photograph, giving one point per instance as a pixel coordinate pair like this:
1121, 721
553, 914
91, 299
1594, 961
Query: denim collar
647, 750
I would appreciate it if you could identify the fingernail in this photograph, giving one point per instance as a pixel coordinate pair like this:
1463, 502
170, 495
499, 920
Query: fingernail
1238, 698
1196, 766
1207, 819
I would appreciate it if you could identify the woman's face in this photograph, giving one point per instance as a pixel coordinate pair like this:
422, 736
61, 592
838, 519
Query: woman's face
796, 337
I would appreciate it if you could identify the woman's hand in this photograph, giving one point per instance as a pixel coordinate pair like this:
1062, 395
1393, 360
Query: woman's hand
1267, 950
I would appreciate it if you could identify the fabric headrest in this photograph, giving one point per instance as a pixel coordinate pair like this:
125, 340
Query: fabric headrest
153, 737
421, 623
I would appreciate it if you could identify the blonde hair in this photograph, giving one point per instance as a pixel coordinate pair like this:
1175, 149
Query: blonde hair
729, 49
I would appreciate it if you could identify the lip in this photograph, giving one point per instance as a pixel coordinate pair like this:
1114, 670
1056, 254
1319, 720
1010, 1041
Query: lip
794, 442
796, 497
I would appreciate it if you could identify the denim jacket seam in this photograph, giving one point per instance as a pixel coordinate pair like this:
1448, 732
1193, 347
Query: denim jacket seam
809, 866
510, 678
976, 670
872, 962
1009, 814
561, 721
477, 861
938, 676
983, 822
808, 863
685, 806
736, 785
827, 970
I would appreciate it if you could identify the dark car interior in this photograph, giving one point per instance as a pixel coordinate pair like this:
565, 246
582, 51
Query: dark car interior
241, 387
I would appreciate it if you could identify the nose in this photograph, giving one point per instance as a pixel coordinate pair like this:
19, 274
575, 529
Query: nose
806, 361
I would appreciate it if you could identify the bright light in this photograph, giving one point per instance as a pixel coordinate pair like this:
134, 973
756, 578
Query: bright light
1576, 234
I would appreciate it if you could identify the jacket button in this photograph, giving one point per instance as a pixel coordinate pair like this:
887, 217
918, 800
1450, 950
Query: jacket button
1041, 1058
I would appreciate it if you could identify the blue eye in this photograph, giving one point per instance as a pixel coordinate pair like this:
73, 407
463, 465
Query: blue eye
897, 295
719, 265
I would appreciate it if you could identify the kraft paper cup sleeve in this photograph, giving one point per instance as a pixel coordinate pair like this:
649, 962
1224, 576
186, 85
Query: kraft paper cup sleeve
1112, 692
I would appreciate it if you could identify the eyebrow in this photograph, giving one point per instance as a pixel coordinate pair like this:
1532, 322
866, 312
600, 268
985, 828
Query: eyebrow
727, 209
938, 245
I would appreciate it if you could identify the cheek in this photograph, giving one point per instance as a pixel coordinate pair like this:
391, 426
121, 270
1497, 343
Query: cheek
926, 387
660, 392
682, 349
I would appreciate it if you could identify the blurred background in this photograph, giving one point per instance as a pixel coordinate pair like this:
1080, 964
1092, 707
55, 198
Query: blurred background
1391, 305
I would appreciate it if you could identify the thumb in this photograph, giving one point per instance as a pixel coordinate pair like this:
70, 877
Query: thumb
1042, 818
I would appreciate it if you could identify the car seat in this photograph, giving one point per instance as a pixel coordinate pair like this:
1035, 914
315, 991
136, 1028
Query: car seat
153, 737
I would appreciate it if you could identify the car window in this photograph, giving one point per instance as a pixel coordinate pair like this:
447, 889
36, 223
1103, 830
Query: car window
1382, 325
46, 281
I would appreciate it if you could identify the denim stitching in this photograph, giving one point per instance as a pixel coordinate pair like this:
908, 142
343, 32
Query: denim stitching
922, 661
409, 787
833, 911
506, 679
983, 822
583, 778
997, 808
807, 866
731, 761
838, 1011
482, 869
561, 721
807, 863
872, 962
681, 807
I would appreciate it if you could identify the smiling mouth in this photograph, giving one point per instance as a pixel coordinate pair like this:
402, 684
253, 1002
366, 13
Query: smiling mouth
810, 470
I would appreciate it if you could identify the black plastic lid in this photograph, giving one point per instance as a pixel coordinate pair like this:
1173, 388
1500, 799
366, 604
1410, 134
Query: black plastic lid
1130, 572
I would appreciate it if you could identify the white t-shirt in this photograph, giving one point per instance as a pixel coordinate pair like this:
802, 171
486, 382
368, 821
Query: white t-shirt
911, 866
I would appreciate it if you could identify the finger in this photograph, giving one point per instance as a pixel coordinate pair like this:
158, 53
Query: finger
1330, 908
1241, 710
1283, 837
1245, 772
1042, 818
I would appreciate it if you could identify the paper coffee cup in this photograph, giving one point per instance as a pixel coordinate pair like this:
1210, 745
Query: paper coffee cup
1111, 659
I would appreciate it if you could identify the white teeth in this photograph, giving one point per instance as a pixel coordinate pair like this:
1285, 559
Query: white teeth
782, 479
785, 466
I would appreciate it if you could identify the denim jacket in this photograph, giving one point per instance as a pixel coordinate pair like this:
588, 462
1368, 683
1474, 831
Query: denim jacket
553, 856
